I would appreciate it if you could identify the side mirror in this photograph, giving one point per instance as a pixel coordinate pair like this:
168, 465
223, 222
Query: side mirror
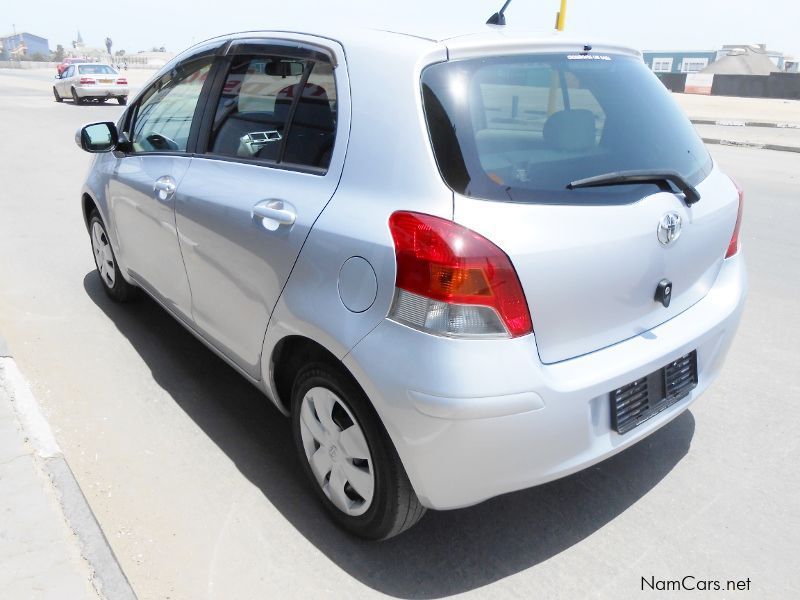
97, 137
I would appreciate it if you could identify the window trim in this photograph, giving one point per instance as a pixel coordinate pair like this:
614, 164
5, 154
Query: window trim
215, 50
309, 52
282, 48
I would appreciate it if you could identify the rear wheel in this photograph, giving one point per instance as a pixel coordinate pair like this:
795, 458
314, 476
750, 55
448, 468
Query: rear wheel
123, 100
114, 284
56, 94
75, 98
348, 456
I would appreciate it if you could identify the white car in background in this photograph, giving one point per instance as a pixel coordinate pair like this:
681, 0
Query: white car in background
92, 81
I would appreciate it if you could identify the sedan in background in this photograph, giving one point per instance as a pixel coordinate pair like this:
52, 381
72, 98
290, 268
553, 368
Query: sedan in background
84, 82
70, 61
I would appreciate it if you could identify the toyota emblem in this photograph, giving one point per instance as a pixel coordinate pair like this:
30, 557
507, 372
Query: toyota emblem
669, 228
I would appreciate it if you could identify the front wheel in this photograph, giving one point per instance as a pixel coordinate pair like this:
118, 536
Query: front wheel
123, 100
114, 284
348, 456
75, 98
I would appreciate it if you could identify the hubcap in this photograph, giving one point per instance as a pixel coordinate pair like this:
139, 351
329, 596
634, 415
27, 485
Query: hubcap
337, 451
103, 256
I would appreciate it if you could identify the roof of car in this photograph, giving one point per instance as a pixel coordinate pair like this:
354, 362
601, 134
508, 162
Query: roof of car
451, 35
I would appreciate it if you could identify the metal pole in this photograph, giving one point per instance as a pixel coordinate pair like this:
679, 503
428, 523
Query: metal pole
562, 16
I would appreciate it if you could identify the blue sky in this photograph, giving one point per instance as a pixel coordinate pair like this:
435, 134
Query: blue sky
643, 24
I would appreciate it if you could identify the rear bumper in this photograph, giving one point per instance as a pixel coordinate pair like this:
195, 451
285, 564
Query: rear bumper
102, 91
474, 419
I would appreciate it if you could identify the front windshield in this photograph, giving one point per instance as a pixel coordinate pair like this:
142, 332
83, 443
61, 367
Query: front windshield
522, 128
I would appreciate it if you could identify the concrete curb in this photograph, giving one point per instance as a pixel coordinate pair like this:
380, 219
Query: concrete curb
108, 578
735, 123
755, 145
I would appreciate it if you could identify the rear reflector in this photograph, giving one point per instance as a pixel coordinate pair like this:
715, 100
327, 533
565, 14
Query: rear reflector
453, 281
122, 81
733, 246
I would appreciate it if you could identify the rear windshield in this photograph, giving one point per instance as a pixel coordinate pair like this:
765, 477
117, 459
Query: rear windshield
96, 70
522, 128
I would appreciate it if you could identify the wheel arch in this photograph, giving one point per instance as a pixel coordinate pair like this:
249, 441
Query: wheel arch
288, 356
88, 205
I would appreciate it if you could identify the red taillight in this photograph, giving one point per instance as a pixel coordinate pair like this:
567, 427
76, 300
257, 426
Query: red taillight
122, 81
733, 246
448, 263
87, 81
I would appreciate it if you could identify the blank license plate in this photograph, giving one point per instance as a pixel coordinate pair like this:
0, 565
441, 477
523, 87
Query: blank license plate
635, 403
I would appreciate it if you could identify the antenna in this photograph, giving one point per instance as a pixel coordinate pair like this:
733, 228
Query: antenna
499, 18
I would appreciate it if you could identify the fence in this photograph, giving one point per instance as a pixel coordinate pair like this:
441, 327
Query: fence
27, 64
775, 85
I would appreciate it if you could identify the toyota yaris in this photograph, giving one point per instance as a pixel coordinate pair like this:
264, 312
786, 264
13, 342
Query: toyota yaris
462, 265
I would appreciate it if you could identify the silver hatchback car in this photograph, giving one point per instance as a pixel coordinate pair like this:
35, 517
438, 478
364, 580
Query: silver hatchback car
463, 265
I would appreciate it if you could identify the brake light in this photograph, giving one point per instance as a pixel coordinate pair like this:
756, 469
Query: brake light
122, 81
733, 246
453, 281
87, 80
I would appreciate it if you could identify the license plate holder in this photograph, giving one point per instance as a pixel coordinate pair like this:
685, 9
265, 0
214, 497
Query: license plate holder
641, 400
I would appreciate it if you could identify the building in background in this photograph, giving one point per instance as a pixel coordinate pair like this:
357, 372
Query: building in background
777, 58
682, 61
746, 60
23, 45
686, 61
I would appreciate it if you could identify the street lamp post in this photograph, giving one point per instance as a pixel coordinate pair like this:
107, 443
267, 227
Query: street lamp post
561, 16
561, 19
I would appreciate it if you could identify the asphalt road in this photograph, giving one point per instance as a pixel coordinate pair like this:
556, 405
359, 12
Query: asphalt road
193, 477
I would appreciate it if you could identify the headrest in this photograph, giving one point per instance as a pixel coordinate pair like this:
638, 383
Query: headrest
570, 130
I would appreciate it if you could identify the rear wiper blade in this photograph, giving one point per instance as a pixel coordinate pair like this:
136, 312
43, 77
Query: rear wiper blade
689, 192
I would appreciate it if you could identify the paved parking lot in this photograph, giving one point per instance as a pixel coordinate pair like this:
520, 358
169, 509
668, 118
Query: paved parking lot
193, 478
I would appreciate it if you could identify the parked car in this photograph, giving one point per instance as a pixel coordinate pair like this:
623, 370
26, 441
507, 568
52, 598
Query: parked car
464, 266
61, 67
85, 82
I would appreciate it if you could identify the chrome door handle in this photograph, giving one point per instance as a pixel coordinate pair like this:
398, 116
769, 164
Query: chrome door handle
164, 188
275, 213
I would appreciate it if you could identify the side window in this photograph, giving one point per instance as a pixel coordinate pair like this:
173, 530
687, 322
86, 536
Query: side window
163, 118
250, 120
70, 72
260, 96
313, 128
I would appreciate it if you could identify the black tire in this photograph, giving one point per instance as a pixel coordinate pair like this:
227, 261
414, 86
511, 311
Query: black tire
123, 100
395, 506
119, 290
56, 94
75, 98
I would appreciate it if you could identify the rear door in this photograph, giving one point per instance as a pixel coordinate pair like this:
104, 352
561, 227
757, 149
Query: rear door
589, 260
274, 139
143, 188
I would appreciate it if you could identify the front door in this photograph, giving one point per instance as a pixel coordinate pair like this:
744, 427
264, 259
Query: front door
143, 188
246, 206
